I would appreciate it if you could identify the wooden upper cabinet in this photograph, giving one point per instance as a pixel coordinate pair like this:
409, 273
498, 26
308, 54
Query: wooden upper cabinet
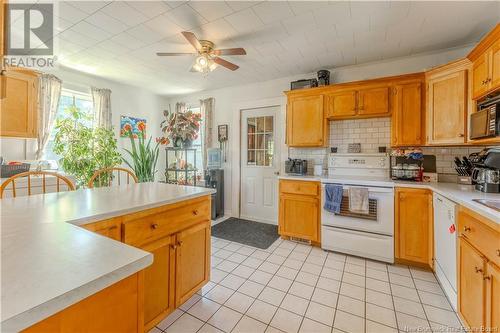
471, 294
485, 59
495, 66
306, 124
407, 115
374, 101
413, 236
447, 104
341, 104
18, 111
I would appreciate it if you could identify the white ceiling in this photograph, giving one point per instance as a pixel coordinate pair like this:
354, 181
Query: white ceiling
118, 40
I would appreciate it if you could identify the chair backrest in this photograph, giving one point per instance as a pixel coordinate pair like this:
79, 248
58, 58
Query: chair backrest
29, 174
105, 177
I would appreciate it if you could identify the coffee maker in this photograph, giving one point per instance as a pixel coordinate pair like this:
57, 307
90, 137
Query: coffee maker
486, 172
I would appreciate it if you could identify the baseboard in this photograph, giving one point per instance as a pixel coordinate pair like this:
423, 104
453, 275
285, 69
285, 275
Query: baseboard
251, 218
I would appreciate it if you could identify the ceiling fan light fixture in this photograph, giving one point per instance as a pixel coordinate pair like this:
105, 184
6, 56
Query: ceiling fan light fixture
204, 64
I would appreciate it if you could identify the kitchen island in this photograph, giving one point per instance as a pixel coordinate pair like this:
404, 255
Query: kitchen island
50, 262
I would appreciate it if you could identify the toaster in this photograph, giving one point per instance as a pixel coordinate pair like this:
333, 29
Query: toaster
296, 167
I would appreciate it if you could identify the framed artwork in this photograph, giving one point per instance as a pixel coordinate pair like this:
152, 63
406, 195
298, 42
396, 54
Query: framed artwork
222, 133
136, 126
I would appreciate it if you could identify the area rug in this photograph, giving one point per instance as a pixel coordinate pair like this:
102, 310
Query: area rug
256, 234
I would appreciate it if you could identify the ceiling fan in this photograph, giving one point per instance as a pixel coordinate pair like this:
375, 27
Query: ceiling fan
208, 57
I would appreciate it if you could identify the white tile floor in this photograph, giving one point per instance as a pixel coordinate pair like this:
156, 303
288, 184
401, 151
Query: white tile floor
298, 288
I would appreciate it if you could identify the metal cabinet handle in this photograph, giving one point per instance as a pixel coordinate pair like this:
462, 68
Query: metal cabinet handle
486, 277
498, 253
113, 227
154, 226
466, 229
478, 270
461, 135
179, 243
195, 212
173, 246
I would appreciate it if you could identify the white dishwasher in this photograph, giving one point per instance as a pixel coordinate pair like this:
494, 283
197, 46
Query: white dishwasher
445, 246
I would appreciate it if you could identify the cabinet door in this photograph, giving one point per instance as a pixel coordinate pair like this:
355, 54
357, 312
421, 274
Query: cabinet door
19, 107
159, 281
341, 104
299, 216
192, 266
446, 104
471, 293
494, 81
407, 115
480, 71
492, 296
373, 101
305, 121
413, 225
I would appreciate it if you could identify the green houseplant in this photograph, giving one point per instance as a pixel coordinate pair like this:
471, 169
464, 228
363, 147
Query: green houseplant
84, 149
144, 157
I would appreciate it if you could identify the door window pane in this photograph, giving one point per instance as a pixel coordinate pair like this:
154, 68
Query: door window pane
260, 141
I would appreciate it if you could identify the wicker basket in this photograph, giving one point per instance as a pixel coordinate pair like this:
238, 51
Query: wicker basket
11, 170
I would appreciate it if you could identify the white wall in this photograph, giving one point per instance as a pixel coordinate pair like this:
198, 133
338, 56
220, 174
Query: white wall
228, 99
125, 100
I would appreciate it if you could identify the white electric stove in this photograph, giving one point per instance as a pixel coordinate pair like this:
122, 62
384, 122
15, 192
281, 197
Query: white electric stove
365, 235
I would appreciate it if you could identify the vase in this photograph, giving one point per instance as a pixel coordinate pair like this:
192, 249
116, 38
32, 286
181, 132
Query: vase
177, 142
187, 143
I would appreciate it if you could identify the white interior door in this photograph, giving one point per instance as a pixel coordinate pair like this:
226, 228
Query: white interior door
259, 164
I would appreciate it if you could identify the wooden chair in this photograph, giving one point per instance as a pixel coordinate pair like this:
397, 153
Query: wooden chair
97, 177
43, 174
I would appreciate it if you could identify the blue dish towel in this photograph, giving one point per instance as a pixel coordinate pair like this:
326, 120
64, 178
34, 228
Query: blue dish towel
333, 198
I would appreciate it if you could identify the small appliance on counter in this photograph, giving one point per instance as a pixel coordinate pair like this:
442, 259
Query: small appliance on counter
323, 77
296, 167
486, 172
410, 164
303, 84
485, 122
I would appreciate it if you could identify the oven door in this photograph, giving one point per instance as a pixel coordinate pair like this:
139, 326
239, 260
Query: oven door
381, 217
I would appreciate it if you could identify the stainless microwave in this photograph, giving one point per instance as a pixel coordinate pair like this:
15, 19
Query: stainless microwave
485, 123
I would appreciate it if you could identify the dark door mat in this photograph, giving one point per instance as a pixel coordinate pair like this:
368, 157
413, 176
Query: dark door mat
256, 234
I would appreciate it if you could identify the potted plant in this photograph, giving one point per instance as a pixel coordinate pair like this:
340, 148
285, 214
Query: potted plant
181, 127
144, 157
84, 149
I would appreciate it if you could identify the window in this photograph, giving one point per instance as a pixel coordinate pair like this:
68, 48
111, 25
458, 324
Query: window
260, 141
198, 144
68, 98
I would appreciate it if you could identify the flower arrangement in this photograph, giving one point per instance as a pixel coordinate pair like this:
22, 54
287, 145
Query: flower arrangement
181, 127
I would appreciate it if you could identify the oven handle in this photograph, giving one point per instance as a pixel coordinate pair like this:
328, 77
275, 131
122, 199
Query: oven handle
371, 189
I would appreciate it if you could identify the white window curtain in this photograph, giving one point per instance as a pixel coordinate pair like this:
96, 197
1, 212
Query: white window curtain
207, 110
49, 94
101, 99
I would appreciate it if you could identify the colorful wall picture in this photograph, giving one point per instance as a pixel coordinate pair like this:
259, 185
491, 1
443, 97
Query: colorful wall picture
128, 125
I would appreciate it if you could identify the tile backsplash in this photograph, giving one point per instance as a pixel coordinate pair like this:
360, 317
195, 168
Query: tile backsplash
373, 133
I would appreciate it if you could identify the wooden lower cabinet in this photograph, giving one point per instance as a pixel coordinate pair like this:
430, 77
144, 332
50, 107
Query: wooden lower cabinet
178, 236
117, 308
159, 281
471, 296
479, 273
192, 264
492, 295
299, 210
413, 226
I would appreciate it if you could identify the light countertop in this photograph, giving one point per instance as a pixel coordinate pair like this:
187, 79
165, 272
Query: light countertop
460, 194
48, 264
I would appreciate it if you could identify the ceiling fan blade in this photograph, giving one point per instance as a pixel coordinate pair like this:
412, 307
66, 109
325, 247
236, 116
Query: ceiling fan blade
192, 39
167, 54
235, 51
225, 63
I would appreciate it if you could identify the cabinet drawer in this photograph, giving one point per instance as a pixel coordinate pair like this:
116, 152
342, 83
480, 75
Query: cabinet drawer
484, 238
109, 228
299, 187
151, 225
